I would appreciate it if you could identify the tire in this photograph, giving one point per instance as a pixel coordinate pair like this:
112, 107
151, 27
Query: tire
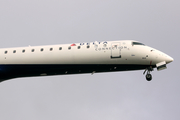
148, 77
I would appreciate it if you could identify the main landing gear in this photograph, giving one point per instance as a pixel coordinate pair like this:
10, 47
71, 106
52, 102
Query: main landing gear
148, 75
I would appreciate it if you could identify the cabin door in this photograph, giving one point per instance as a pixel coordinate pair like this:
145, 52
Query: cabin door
116, 50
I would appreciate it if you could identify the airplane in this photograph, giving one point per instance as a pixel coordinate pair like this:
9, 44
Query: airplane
78, 58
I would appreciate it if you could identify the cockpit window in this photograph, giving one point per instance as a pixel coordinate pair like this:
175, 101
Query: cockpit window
137, 43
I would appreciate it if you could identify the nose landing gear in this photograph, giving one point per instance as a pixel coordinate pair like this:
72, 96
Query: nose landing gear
148, 75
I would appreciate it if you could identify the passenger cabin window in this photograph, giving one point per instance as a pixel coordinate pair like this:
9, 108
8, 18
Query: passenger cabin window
60, 48
69, 48
137, 43
32, 50
79, 47
42, 49
88, 46
51, 49
14, 51
23, 51
6, 52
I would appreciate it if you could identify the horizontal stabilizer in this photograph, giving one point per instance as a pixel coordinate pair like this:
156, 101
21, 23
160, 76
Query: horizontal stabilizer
161, 66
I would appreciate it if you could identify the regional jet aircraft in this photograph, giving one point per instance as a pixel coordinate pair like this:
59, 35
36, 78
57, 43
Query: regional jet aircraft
78, 58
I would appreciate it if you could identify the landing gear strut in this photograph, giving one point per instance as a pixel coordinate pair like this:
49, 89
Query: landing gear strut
148, 75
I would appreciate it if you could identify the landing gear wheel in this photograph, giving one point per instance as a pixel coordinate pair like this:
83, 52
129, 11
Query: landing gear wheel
148, 77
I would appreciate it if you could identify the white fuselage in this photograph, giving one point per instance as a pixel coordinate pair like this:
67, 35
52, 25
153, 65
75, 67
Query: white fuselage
78, 58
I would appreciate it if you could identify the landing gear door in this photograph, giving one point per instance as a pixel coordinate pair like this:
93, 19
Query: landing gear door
115, 50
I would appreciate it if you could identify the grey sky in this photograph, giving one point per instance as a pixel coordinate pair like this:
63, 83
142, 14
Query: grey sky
106, 96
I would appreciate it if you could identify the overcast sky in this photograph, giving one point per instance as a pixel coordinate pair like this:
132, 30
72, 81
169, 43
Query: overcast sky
103, 96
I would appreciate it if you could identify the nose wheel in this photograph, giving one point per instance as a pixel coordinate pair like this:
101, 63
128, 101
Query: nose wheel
148, 75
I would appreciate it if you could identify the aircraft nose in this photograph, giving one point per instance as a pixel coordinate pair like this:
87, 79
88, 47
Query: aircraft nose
169, 59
